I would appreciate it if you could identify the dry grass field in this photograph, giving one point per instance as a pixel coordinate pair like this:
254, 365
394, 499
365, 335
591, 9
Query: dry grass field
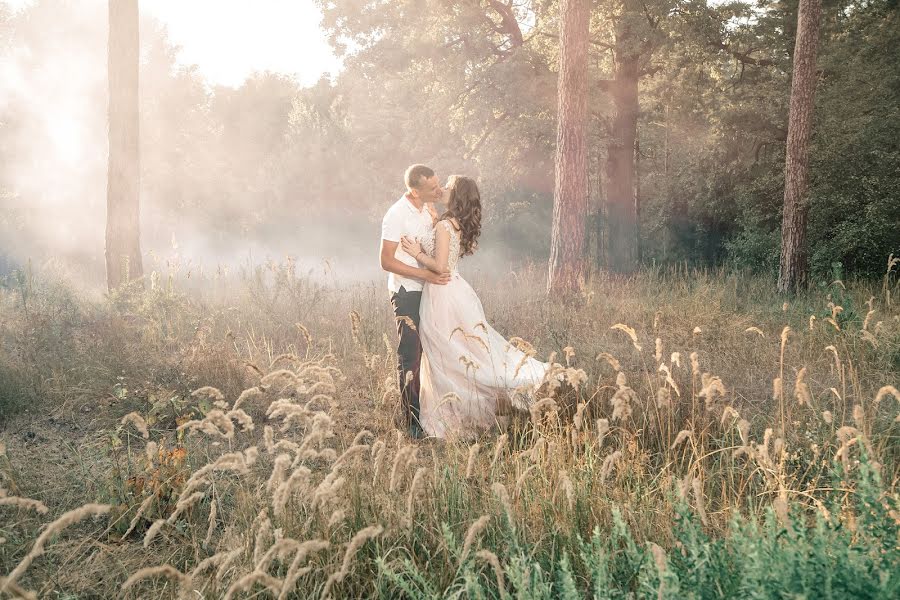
231, 435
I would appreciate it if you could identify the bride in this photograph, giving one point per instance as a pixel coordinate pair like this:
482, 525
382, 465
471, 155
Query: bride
466, 364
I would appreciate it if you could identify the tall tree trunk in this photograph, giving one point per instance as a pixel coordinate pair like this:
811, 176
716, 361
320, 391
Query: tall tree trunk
623, 231
123, 248
792, 274
570, 196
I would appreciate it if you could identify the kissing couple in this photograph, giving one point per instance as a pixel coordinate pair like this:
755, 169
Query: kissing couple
453, 366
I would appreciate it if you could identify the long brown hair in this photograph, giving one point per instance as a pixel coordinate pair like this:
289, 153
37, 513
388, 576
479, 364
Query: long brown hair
464, 205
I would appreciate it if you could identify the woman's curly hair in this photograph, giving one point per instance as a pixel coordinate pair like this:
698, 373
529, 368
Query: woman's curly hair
464, 205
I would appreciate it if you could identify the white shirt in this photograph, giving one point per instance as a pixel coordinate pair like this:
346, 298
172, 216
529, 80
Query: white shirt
403, 219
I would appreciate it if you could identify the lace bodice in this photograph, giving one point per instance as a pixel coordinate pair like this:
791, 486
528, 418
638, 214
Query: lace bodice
429, 246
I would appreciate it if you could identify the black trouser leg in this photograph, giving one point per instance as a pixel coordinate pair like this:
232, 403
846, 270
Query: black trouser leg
409, 353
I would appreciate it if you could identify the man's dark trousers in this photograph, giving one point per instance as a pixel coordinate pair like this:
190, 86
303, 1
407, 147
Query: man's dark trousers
409, 354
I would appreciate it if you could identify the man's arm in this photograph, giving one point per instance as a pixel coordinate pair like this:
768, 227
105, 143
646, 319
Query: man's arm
392, 265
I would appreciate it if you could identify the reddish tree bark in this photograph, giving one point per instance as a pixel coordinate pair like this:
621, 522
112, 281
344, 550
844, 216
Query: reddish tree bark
792, 273
123, 248
570, 196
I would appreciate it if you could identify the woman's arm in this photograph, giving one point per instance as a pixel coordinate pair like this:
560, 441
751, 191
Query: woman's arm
438, 264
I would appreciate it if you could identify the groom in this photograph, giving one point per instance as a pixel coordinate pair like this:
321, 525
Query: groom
410, 216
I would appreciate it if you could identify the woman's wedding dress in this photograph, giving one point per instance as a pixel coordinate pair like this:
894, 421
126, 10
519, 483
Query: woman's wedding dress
466, 364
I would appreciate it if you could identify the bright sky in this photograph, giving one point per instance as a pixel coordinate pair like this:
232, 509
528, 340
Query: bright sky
230, 39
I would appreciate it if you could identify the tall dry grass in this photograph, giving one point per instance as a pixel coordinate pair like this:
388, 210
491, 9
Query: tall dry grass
244, 443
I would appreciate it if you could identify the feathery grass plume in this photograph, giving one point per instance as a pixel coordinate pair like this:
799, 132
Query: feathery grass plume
659, 350
327, 489
521, 480
414, 491
538, 407
669, 380
67, 518
833, 323
298, 480
602, 429
262, 526
566, 484
208, 392
241, 418
744, 429
827, 416
663, 398
288, 357
473, 454
245, 584
281, 380
695, 364
471, 534
697, 330
491, 558
498, 449
355, 544
356, 325
812, 322
885, 391
137, 516
780, 505
215, 423
269, 439
699, 499
503, 496
211, 527
859, 415
869, 314
294, 572
629, 332
868, 337
407, 321
349, 453
835, 310
784, 307
379, 453
25, 503
609, 358
289, 412
336, 518
801, 389
609, 464
15, 591
578, 419
621, 403
185, 584
837, 359
537, 451
401, 459
777, 389
712, 385
778, 449
569, 352
138, 421
152, 531
150, 451
279, 472
682, 435
248, 394
728, 411
755, 330
675, 359
305, 333
362, 433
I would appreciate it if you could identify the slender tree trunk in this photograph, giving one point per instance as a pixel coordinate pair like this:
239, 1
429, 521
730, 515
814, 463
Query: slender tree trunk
123, 248
623, 231
570, 197
792, 274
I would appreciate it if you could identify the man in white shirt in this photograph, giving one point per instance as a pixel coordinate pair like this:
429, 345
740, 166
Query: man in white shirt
410, 216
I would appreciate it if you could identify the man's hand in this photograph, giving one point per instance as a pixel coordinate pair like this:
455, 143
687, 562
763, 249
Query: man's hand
437, 278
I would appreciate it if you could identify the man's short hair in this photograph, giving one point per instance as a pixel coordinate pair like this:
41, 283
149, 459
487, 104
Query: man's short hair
416, 175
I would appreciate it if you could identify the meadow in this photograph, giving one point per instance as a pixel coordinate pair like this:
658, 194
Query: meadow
230, 434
